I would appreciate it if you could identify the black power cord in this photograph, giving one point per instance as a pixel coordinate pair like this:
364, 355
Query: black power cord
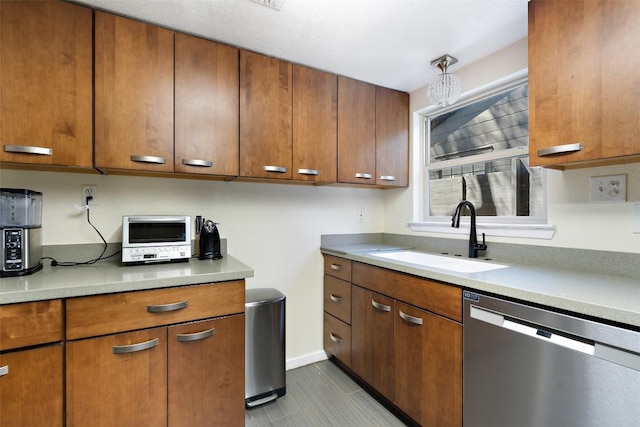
56, 263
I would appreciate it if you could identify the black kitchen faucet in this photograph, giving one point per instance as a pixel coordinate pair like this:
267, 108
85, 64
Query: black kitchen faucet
474, 246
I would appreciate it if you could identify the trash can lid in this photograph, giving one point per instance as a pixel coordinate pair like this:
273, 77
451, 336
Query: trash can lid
260, 296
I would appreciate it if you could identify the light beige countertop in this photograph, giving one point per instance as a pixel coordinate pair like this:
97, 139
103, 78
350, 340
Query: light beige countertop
111, 276
610, 297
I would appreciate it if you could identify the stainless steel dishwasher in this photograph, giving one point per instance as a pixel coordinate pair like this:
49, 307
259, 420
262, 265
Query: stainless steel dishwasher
527, 366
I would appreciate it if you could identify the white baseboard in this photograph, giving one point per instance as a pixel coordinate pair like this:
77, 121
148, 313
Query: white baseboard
306, 359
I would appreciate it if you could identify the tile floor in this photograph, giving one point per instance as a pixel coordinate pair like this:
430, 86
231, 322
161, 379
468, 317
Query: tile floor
321, 394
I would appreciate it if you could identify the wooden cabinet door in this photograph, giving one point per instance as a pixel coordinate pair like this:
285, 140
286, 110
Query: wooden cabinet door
109, 383
206, 107
428, 367
392, 138
265, 116
372, 339
580, 80
31, 387
206, 372
356, 131
315, 125
133, 95
45, 83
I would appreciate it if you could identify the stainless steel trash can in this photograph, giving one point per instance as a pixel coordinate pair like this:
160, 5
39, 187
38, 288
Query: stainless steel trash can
264, 346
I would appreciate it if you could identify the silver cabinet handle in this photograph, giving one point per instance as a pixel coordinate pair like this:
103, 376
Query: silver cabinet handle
196, 336
308, 171
364, 175
380, 307
161, 308
197, 162
335, 298
387, 178
278, 169
132, 348
559, 149
4, 370
149, 159
28, 149
410, 319
336, 267
336, 339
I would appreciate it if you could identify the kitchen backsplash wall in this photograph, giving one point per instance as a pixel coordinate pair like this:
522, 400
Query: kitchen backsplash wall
273, 228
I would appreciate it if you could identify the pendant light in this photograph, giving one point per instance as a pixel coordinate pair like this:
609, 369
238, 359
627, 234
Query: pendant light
445, 88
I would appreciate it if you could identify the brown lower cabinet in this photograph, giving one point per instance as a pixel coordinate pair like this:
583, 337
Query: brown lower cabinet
405, 339
31, 387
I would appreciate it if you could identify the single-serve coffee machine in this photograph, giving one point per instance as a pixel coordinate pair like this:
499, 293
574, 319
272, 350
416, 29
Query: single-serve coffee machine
21, 227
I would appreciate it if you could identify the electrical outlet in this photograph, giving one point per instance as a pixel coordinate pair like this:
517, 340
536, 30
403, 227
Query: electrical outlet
612, 188
360, 215
89, 190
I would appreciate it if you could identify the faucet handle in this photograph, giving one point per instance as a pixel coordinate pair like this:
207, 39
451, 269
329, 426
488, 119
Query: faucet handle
481, 247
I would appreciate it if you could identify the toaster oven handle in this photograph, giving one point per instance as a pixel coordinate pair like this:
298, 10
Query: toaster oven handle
156, 219
162, 308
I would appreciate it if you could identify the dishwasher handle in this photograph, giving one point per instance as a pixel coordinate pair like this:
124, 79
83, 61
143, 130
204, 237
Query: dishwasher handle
500, 320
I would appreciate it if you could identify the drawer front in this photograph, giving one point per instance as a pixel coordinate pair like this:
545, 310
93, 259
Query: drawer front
30, 323
337, 267
127, 311
337, 298
337, 338
439, 298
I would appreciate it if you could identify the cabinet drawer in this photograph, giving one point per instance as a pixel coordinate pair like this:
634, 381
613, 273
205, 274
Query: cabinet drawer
337, 298
108, 314
436, 297
30, 323
337, 338
337, 267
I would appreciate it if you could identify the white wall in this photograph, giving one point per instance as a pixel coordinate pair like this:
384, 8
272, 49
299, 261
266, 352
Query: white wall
579, 224
273, 228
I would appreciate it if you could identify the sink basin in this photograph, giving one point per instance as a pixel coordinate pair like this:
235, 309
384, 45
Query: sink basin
459, 265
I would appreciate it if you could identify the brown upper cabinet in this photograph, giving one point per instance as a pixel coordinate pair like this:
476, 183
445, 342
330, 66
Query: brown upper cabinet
133, 95
265, 116
582, 82
45, 84
206, 107
315, 122
356, 131
392, 138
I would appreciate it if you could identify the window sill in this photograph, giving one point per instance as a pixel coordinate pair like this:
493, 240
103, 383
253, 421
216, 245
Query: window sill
530, 231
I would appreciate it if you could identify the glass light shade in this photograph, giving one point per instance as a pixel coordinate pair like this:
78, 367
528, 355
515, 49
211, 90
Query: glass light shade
445, 89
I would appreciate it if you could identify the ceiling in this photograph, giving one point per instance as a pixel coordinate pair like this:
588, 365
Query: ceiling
386, 42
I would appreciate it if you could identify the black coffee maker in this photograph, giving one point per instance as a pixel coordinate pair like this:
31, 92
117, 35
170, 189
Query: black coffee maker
209, 241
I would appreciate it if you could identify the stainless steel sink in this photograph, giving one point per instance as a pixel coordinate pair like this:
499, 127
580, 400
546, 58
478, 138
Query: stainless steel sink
458, 265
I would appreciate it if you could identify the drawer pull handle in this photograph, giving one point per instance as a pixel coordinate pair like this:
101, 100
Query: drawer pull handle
559, 149
132, 348
196, 336
410, 319
149, 159
380, 307
364, 175
335, 298
4, 370
197, 162
278, 169
335, 338
308, 171
387, 178
28, 149
336, 267
161, 308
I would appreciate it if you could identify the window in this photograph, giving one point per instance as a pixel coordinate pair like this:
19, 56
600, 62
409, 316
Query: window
478, 151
